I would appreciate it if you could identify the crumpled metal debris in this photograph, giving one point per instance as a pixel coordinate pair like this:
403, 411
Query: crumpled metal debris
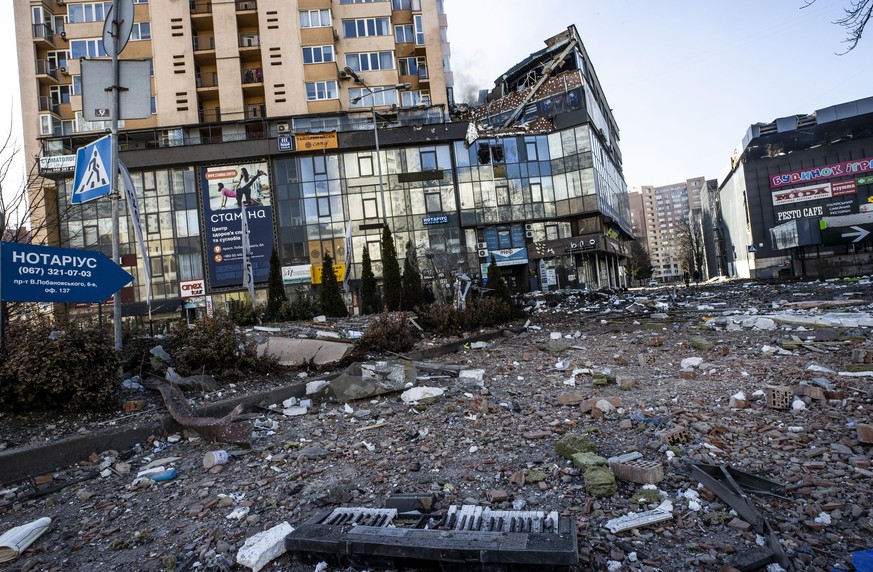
221, 430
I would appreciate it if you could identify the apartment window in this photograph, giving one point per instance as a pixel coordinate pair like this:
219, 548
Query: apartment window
364, 27
433, 202
419, 31
318, 90
87, 48
371, 210
502, 195
371, 61
406, 5
407, 66
387, 97
318, 54
60, 93
444, 34
90, 12
429, 160
323, 207
58, 59
77, 85
531, 148
404, 34
365, 165
141, 31
360, 1
413, 98
315, 18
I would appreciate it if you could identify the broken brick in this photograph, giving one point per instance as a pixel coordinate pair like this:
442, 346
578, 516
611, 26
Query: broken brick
778, 396
656, 341
676, 436
638, 471
813, 392
865, 433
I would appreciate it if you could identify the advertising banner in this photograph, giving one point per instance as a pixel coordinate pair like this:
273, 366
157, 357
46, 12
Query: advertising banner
224, 190
855, 167
802, 194
507, 245
295, 274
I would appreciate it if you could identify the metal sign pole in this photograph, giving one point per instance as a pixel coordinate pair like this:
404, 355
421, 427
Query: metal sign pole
115, 196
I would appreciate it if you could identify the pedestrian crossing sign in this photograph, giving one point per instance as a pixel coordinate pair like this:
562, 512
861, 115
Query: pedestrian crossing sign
93, 162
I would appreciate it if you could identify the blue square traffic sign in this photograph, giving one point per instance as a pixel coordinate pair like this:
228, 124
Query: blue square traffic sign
92, 179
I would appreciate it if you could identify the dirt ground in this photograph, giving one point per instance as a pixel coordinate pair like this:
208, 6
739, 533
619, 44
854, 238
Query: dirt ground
493, 444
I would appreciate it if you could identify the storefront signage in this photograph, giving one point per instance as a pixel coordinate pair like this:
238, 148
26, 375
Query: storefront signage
839, 208
841, 188
315, 272
439, 219
285, 143
57, 164
223, 189
864, 180
192, 288
315, 141
507, 245
802, 194
799, 213
825, 172
296, 274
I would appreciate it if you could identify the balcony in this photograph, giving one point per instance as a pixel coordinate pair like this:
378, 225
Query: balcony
202, 43
256, 111
252, 75
210, 115
249, 40
206, 79
247, 13
47, 103
45, 70
44, 34
201, 6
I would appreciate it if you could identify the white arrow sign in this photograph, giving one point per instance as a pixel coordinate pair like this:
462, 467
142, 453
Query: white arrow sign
859, 234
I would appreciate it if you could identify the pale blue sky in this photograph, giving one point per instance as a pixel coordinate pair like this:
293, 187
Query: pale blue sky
685, 78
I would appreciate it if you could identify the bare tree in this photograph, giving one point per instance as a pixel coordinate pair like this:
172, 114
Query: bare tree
855, 19
29, 210
690, 243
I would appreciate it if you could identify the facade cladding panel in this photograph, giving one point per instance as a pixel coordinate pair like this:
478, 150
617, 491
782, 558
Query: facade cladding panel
832, 178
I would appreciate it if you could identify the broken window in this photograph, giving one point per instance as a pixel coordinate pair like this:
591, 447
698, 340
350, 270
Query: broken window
488, 154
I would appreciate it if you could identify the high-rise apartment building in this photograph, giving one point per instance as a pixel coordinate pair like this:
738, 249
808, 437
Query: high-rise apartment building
662, 211
220, 61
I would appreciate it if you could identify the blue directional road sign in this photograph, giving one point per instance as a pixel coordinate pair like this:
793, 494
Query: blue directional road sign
92, 179
32, 273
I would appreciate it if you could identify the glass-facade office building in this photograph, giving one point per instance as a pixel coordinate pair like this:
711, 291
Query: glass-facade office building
534, 202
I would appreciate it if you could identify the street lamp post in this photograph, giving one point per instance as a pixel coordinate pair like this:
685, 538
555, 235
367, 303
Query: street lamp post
372, 92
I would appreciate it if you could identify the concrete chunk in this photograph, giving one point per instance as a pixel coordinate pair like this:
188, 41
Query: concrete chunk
260, 549
641, 519
293, 351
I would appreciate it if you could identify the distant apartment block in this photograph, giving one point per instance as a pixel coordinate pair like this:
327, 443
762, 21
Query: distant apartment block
657, 217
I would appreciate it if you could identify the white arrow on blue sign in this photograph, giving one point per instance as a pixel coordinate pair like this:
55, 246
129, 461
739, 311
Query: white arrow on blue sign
92, 179
33, 273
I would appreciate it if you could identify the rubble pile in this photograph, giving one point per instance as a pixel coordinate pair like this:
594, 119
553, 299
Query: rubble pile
643, 415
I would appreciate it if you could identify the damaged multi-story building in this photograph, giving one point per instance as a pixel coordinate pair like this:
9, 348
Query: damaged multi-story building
331, 119
797, 199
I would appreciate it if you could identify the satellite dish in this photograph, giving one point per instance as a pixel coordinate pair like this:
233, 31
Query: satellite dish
125, 27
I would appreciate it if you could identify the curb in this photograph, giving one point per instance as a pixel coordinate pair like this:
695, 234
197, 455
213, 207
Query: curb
23, 462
